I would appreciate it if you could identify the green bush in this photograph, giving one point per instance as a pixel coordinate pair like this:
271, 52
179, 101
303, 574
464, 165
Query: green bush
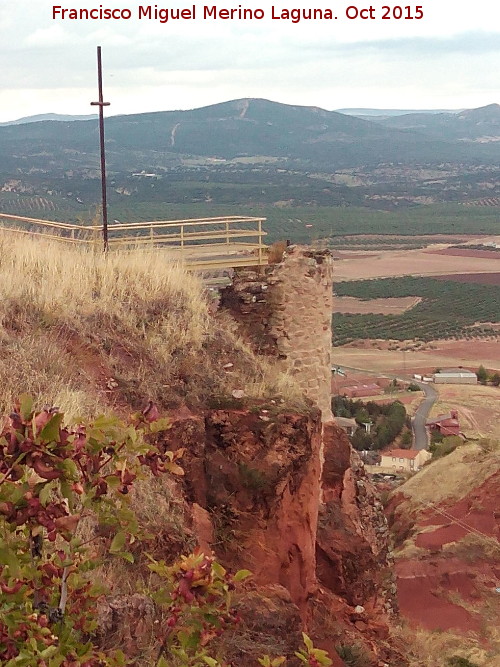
457, 661
448, 445
482, 374
52, 476
406, 440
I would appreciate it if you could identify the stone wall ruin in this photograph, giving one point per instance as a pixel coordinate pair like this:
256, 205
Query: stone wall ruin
285, 310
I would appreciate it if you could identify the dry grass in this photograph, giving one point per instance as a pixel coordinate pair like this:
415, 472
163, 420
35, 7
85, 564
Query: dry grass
473, 547
409, 550
87, 332
432, 649
451, 477
478, 408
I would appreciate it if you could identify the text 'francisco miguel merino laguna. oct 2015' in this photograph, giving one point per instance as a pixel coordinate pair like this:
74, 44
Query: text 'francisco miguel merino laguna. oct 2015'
362, 11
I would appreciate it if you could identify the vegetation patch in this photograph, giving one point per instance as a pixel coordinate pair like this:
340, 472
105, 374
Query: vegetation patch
447, 310
353, 655
474, 547
251, 478
85, 331
387, 421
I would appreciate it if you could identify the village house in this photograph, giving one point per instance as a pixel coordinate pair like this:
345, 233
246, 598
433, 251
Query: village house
349, 426
447, 424
404, 460
361, 390
455, 376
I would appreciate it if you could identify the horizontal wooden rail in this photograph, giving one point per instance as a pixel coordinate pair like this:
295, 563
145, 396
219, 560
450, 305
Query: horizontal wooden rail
186, 238
188, 222
50, 223
198, 243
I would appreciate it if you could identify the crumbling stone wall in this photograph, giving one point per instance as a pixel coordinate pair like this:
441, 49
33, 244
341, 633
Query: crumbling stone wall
285, 310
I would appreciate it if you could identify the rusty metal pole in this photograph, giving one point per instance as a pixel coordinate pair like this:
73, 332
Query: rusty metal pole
101, 104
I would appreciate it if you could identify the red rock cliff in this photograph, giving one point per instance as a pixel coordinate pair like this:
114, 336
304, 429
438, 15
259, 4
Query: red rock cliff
254, 479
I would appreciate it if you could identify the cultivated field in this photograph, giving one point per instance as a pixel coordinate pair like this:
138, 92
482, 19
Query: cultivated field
466, 252
392, 263
447, 310
375, 356
390, 306
475, 278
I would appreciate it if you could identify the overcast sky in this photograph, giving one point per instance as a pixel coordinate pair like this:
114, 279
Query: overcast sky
448, 59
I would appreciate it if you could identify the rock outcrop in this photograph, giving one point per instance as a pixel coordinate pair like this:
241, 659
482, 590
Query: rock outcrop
259, 480
353, 554
257, 484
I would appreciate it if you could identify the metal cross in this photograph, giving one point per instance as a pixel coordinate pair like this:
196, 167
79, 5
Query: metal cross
101, 104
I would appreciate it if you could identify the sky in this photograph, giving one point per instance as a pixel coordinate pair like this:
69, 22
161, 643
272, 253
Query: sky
449, 59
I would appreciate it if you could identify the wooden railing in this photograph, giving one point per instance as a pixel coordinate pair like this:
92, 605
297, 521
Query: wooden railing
200, 243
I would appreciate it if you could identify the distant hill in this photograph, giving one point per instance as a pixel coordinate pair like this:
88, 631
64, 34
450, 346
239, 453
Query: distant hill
320, 139
252, 153
369, 113
48, 116
480, 125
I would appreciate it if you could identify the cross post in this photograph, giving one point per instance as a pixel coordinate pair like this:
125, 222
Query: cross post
101, 104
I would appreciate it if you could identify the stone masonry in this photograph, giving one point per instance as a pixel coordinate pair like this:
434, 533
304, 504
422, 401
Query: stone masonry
286, 312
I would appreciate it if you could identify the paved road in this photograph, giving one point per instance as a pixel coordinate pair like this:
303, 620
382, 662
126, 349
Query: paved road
420, 439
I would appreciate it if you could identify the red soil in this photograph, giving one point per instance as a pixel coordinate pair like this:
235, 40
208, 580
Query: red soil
440, 536
431, 586
339, 254
422, 602
478, 278
466, 252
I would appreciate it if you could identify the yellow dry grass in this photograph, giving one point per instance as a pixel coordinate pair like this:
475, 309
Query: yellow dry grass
432, 649
478, 408
86, 331
451, 477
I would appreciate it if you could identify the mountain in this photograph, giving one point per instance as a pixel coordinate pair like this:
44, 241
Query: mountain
480, 125
386, 113
249, 152
240, 128
48, 116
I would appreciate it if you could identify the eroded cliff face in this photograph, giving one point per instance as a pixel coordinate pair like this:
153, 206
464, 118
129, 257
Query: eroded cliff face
283, 494
257, 474
317, 542
448, 544
353, 553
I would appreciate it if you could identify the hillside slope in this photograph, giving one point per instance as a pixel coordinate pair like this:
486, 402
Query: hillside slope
471, 125
88, 332
446, 526
98, 333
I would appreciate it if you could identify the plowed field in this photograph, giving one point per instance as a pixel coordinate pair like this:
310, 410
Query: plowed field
477, 278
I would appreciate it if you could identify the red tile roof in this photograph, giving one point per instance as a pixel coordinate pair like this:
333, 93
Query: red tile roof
402, 453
